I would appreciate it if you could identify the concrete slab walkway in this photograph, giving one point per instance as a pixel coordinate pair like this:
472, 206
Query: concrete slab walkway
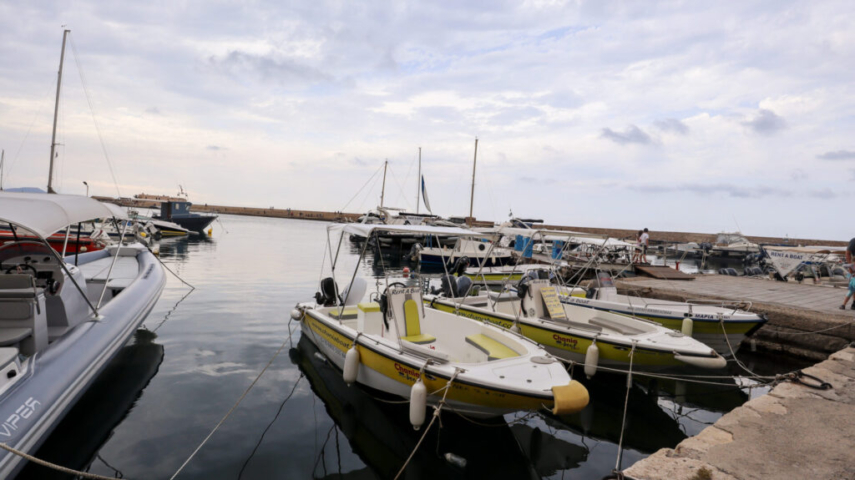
792, 432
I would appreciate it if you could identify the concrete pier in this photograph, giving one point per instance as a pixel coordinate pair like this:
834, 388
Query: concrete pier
795, 311
792, 432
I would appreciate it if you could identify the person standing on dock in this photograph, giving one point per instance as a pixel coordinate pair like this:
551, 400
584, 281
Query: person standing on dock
851, 268
645, 243
639, 246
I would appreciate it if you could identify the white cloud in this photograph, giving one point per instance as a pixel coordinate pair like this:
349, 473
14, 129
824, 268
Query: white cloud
281, 89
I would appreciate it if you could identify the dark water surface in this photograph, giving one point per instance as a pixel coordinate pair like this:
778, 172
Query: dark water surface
170, 386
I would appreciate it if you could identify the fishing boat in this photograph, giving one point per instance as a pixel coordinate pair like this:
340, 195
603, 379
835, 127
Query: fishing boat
396, 345
62, 319
177, 210
709, 322
575, 333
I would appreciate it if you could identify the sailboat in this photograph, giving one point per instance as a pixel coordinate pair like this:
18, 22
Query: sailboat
62, 319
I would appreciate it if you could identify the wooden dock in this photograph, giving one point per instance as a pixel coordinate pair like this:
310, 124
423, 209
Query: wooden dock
795, 311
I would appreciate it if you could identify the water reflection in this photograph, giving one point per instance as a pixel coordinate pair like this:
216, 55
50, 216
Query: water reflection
89, 424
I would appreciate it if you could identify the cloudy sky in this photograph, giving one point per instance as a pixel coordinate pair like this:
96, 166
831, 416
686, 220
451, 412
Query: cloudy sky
692, 116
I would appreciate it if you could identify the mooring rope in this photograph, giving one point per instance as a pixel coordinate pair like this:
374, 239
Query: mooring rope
234, 407
432, 420
625, 408
53, 466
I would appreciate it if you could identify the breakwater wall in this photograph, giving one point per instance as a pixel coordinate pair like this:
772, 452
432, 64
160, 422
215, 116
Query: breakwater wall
655, 236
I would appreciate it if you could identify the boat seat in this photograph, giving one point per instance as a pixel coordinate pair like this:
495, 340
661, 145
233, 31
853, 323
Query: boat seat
407, 309
616, 326
494, 349
347, 314
13, 336
23, 321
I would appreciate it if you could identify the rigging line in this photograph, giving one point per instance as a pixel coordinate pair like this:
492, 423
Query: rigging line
240, 475
24, 140
92, 111
360, 189
400, 188
369, 191
407, 178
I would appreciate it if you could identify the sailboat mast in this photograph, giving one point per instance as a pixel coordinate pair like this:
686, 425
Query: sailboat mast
472, 196
56, 113
383, 192
419, 181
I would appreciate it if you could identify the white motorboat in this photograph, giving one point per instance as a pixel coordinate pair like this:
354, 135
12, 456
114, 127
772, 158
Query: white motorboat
709, 322
576, 333
61, 319
396, 345
734, 244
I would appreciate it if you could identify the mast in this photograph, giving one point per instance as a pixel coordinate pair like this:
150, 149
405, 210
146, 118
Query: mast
56, 113
472, 196
383, 192
419, 181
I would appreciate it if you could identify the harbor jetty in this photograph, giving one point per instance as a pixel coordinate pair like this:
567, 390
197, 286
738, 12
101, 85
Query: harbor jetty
804, 320
794, 431
657, 237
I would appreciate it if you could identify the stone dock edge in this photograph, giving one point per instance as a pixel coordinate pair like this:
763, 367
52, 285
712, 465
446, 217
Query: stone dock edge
792, 432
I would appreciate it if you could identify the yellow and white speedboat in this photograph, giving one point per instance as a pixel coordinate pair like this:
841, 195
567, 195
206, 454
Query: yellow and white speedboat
581, 334
398, 346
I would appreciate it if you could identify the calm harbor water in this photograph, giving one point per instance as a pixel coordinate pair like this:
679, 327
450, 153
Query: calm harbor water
198, 353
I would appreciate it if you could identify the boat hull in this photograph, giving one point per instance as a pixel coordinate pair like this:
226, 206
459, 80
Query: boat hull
396, 375
570, 345
55, 378
706, 328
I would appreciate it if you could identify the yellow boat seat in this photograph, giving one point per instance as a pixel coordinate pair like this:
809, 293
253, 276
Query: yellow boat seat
412, 322
369, 307
494, 349
348, 314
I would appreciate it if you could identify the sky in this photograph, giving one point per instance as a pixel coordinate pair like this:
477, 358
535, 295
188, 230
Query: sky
675, 116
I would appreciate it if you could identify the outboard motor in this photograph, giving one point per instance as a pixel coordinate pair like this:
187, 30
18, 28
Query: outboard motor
328, 295
460, 266
464, 286
522, 286
448, 286
414, 252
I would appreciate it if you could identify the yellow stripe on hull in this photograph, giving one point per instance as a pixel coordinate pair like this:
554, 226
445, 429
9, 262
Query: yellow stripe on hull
408, 374
571, 346
495, 276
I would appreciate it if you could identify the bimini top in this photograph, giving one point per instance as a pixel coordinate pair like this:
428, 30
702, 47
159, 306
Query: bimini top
365, 229
46, 213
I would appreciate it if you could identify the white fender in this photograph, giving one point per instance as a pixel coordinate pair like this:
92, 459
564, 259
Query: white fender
296, 314
688, 325
418, 404
592, 356
351, 365
703, 362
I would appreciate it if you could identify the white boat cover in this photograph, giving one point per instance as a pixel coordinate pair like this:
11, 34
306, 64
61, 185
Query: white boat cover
365, 229
44, 213
561, 235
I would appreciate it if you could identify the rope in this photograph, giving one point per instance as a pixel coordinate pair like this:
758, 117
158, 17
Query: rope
54, 466
625, 407
169, 270
234, 407
433, 419
282, 405
360, 189
92, 111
